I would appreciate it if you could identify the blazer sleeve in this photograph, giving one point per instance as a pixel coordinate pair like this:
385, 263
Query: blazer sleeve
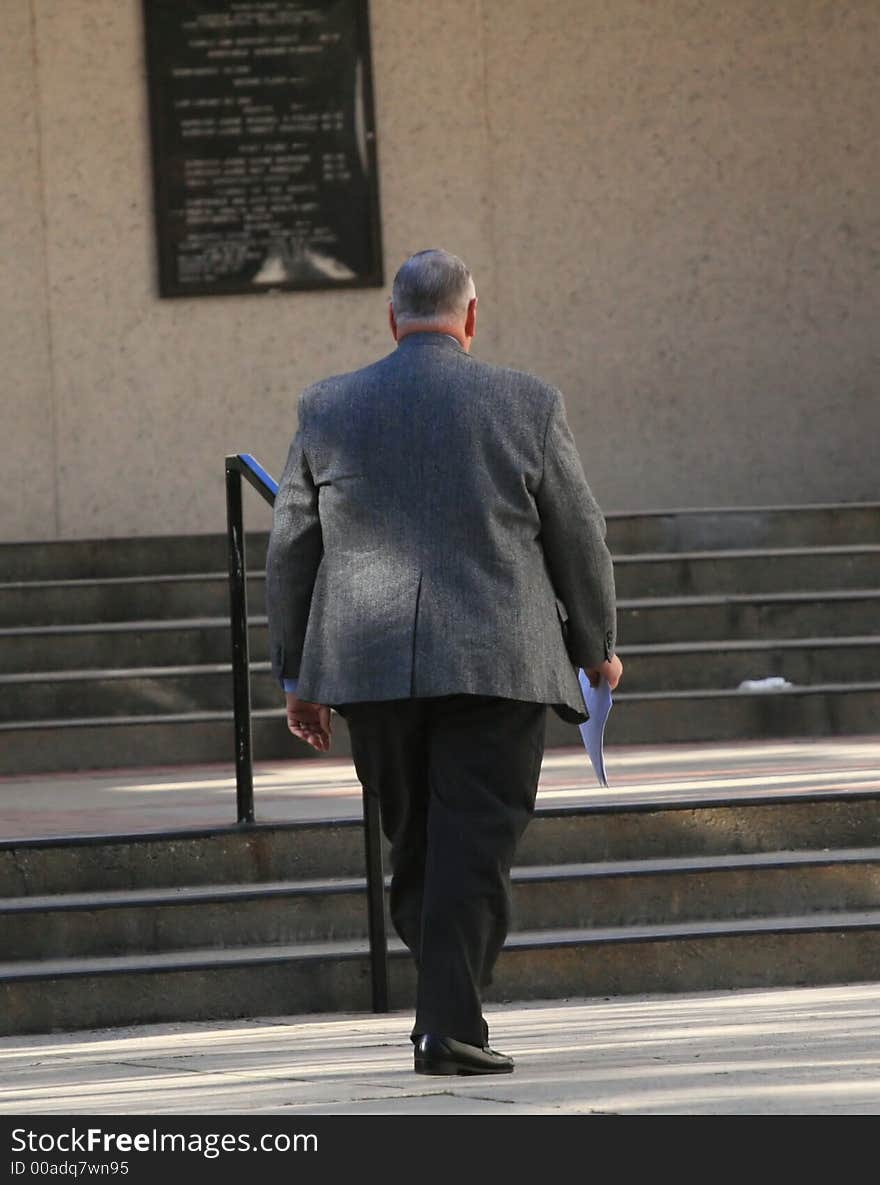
573, 535
293, 557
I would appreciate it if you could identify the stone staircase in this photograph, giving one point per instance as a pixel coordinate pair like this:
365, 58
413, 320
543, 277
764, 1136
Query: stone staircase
115, 653
629, 896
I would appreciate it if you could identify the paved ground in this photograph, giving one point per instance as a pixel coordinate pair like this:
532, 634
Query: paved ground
125, 801
784, 1051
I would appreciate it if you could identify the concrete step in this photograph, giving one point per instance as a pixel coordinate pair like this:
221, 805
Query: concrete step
709, 573
829, 613
605, 893
660, 891
743, 527
195, 642
66, 995
125, 922
735, 821
206, 594
148, 555
663, 717
135, 691
124, 599
149, 691
186, 858
723, 665
126, 742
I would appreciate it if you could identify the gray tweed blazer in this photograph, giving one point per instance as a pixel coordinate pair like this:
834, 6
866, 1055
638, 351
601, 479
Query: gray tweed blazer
434, 534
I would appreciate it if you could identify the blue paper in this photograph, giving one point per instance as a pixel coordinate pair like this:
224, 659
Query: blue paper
598, 702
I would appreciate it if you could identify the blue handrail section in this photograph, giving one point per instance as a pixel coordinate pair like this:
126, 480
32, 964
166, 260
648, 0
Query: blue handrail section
253, 469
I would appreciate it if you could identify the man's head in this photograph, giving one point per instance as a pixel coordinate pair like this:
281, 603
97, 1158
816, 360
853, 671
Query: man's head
434, 292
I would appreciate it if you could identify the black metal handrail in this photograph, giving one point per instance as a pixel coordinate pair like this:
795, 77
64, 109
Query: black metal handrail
239, 465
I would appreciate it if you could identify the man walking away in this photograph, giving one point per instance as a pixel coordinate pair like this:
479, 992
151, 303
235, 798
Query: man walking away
437, 571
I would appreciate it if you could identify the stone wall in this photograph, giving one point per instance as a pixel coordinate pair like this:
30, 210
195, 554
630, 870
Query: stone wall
670, 208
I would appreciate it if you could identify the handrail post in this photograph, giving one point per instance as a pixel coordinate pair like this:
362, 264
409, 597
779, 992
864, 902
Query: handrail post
241, 685
376, 903
237, 466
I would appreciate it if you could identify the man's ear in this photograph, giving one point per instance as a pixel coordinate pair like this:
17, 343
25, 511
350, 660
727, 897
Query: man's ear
470, 321
392, 320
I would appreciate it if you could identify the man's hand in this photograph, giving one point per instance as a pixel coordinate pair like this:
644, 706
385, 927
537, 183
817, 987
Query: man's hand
309, 722
611, 670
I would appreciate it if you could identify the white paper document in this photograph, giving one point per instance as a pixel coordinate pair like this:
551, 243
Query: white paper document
598, 701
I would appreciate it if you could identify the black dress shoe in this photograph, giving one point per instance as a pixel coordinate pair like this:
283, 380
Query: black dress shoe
445, 1055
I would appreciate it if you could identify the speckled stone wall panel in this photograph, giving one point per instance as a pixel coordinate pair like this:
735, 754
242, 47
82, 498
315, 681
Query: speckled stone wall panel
151, 394
688, 237
27, 494
429, 69
669, 208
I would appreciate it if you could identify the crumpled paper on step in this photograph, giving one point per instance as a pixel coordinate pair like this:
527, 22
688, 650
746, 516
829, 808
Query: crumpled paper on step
771, 683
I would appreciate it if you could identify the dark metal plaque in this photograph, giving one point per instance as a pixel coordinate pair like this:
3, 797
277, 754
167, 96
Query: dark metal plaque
264, 145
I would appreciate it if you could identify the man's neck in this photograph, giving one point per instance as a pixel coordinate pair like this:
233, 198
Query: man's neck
450, 331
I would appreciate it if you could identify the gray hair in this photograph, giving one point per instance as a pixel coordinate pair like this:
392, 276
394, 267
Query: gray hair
431, 285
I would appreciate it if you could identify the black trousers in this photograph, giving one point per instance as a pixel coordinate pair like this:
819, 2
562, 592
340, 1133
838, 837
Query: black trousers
456, 779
